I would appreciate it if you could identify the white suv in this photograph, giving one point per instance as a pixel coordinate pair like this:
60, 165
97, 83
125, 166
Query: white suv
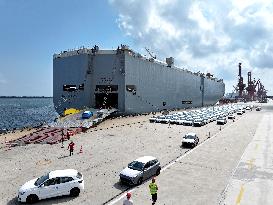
52, 184
139, 170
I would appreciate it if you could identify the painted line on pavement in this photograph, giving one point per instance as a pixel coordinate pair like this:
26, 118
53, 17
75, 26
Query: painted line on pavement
240, 195
233, 173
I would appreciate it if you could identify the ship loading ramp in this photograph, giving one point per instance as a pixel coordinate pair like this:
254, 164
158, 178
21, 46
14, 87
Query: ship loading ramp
76, 120
64, 128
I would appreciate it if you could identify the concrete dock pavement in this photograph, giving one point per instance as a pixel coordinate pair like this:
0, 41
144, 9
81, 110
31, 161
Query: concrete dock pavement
252, 182
198, 176
201, 175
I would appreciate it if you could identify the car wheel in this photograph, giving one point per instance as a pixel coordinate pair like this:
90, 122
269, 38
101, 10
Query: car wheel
157, 172
74, 192
139, 181
32, 199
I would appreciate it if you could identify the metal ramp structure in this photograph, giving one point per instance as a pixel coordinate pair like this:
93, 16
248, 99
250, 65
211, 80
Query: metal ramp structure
64, 128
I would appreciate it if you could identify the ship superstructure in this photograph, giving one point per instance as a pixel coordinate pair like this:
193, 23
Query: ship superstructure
128, 81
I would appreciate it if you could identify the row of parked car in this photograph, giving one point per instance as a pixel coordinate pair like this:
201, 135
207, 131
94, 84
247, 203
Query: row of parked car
144, 167
202, 116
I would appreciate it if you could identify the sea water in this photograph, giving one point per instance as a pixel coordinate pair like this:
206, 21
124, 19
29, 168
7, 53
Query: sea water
18, 113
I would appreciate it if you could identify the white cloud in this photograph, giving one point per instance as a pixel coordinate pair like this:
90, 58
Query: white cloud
209, 36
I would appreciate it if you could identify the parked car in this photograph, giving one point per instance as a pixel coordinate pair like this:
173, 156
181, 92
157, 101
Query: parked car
160, 119
231, 116
188, 122
258, 108
152, 119
87, 114
139, 170
166, 119
52, 184
198, 122
190, 139
180, 121
221, 120
173, 120
239, 112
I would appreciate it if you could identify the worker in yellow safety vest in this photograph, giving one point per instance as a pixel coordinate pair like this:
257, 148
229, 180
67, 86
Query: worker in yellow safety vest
153, 190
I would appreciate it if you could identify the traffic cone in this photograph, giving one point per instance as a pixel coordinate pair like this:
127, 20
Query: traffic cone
81, 150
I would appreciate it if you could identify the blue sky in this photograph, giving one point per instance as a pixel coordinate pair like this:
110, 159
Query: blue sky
33, 30
211, 36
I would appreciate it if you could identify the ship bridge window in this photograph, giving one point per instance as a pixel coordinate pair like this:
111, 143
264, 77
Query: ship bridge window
69, 88
81, 87
106, 88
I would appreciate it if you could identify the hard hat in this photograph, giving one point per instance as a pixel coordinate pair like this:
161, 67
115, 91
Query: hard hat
128, 195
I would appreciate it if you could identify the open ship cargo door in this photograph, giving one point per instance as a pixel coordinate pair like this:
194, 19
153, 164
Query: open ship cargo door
106, 100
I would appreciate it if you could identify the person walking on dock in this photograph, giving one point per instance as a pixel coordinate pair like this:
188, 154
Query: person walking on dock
153, 190
62, 139
128, 201
71, 147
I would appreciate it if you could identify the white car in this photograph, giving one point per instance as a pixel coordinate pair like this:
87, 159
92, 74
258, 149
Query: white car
160, 119
167, 119
258, 109
190, 139
180, 121
198, 122
188, 122
239, 112
152, 119
139, 170
221, 120
173, 120
231, 116
52, 184
247, 108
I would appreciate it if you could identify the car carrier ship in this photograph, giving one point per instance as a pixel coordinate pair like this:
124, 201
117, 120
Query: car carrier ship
128, 81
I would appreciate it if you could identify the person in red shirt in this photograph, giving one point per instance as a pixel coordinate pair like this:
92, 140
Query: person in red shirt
71, 147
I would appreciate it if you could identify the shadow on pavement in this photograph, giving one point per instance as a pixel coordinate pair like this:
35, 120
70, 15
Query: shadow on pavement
62, 157
121, 187
51, 201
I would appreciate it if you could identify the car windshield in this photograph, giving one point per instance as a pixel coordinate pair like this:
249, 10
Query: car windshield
189, 137
136, 165
41, 180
